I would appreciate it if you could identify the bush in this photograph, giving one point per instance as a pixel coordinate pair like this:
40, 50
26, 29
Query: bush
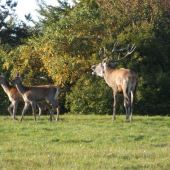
91, 95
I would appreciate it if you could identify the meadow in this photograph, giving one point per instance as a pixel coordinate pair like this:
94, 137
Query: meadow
81, 142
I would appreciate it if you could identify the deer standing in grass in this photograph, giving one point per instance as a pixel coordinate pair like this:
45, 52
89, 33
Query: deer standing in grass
120, 80
33, 94
15, 97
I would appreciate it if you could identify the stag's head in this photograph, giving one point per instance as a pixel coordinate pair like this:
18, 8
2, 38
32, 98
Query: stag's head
99, 69
16, 79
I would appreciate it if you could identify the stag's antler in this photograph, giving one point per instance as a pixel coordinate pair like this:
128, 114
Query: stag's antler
100, 53
106, 55
115, 49
128, 53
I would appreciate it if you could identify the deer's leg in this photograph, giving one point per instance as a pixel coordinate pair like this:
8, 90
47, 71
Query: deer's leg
132, 102
126, 109
58, 112
133, 94
40, 112
55, 105
47, 105
24, 110
115, 95
15, 110
40, 107
33, 104
127, 105
10, 109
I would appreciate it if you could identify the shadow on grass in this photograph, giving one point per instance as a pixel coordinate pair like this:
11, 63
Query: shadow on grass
158, 118
71, 141
161, 145
150, 118
48, 129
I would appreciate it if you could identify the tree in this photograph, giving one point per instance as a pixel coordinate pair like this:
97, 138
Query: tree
12, 31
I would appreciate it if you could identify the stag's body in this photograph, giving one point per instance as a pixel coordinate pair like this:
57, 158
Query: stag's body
33, 94
125, 81
120, 80
15, 97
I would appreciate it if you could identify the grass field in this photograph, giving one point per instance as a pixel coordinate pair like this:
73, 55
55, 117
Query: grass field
85, 142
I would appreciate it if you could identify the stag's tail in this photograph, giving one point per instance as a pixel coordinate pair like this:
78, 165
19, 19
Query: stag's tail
134, 86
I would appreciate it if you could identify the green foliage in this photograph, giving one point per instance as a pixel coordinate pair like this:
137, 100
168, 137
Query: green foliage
85, 142
87, 96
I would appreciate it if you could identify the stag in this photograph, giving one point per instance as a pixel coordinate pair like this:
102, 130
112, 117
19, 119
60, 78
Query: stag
120, 80
33, 94
15, 97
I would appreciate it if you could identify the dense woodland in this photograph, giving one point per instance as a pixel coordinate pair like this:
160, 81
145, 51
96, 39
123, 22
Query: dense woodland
61, 48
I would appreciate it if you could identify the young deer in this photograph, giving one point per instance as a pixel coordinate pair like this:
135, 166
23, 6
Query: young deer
120, 80
33, 94
15, 97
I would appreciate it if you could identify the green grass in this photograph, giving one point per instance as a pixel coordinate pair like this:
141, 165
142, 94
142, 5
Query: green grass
85, 142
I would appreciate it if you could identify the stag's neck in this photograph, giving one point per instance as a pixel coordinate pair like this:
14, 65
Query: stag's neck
6, 86
21, 88
107, 75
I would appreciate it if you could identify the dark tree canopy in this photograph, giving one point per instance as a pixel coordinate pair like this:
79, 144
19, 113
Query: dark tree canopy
12, 30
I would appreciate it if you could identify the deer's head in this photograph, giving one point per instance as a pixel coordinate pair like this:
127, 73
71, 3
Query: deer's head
99, 69
16, 79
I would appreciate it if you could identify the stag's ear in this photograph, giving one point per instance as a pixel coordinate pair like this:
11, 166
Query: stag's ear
105, 60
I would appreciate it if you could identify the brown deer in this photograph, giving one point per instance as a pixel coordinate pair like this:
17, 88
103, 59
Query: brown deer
15, 97
120, 80
33, 94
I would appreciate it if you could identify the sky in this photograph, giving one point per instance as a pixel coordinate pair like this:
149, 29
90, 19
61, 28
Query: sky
29, 6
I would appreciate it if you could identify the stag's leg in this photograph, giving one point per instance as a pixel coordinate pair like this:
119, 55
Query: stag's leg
133, 94
15, 110
33, 104
24, 110
10, 109
132, 102
126, 108
115, 95
126, 104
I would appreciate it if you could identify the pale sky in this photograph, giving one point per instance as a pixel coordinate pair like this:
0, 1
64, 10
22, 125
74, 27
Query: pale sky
29, 6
